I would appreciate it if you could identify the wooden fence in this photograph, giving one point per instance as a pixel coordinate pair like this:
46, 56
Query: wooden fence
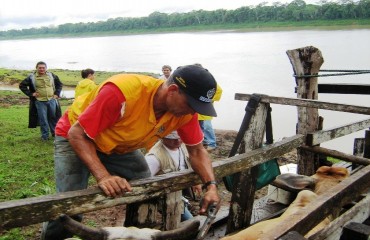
309, 135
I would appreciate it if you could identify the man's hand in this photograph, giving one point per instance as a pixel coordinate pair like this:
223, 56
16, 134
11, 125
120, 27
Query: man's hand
114, 186
211, 196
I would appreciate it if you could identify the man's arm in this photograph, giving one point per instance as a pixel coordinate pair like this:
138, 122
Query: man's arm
202, 165
111, 185
102, 113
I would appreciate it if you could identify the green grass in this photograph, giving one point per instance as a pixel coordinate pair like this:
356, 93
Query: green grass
26, 163
68, 77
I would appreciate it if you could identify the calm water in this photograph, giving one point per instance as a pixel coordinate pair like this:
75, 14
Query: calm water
250, 62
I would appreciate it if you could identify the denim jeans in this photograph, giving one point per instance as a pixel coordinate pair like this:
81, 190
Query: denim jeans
46, 111
209, 134
186, 215
71, 174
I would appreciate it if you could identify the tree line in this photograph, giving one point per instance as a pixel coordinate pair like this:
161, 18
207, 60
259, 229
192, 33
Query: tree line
295, 11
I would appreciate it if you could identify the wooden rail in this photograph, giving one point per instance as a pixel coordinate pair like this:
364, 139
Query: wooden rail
307, 103
344, 88
358, 213
307, 218
338, 155
29, 211
335, 132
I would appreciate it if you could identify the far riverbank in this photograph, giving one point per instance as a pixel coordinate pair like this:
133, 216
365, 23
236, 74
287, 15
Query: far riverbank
346, 24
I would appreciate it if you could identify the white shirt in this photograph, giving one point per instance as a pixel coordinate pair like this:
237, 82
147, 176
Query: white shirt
177, 157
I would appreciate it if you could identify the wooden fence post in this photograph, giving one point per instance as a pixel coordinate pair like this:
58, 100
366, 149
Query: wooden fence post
242, 199
144, 214
367, 144
171, 213
306, 61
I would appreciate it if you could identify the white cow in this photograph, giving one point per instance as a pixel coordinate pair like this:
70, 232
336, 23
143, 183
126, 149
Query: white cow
187, 230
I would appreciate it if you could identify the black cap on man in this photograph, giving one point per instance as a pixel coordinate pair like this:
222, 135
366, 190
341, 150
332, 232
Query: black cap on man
199, 86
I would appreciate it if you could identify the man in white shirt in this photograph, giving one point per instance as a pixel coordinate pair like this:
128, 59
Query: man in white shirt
169, 155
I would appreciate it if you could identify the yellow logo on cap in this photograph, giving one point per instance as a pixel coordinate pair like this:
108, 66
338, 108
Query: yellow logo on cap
181, 81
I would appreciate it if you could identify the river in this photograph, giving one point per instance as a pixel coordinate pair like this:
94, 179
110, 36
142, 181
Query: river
242, 62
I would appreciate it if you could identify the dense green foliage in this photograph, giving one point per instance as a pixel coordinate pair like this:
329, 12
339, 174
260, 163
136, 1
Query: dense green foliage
295, 11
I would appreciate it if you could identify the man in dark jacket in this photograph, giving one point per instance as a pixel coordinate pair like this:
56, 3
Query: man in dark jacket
44, 89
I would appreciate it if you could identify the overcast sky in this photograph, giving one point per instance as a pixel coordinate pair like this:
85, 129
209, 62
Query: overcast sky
18, 14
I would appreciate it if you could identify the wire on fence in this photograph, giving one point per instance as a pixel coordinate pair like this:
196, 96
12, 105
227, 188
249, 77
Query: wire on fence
338, 73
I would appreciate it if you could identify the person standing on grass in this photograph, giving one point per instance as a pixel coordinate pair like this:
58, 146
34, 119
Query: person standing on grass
103, 132
166, 70
43, 88
87, 83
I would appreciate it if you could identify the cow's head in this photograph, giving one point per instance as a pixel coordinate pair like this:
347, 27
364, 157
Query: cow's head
327, 177
187, 230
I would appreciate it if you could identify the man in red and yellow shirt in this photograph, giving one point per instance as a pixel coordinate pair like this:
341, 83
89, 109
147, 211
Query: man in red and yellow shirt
102, 132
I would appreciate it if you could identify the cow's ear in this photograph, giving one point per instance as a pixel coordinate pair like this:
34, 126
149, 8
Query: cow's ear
295, 182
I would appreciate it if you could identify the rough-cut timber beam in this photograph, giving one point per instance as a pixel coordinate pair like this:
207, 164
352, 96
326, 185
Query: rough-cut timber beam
307, 103
360, 212
344, 88
29, 211
338, 155
344, 192
336, 132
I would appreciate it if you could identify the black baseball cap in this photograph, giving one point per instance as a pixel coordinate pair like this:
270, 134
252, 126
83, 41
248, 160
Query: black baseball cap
199, 86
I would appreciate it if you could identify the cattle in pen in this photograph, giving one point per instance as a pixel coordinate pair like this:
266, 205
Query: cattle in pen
324, 179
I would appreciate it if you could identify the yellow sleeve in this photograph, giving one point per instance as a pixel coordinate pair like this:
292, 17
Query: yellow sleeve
218, 93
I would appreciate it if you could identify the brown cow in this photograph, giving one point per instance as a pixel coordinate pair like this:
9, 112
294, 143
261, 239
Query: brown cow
327, 177
324, 178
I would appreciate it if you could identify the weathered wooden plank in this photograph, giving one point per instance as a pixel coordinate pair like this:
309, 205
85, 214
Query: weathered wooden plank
292, 236
358, 146
172, 210
330, 201
306, 61
359, 213
337, 154
29, 211
355, 230
367, 144
307, 103
241, 204
344, 88
335, 132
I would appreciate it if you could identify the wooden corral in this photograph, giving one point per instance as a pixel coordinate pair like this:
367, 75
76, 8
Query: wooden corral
310, 134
